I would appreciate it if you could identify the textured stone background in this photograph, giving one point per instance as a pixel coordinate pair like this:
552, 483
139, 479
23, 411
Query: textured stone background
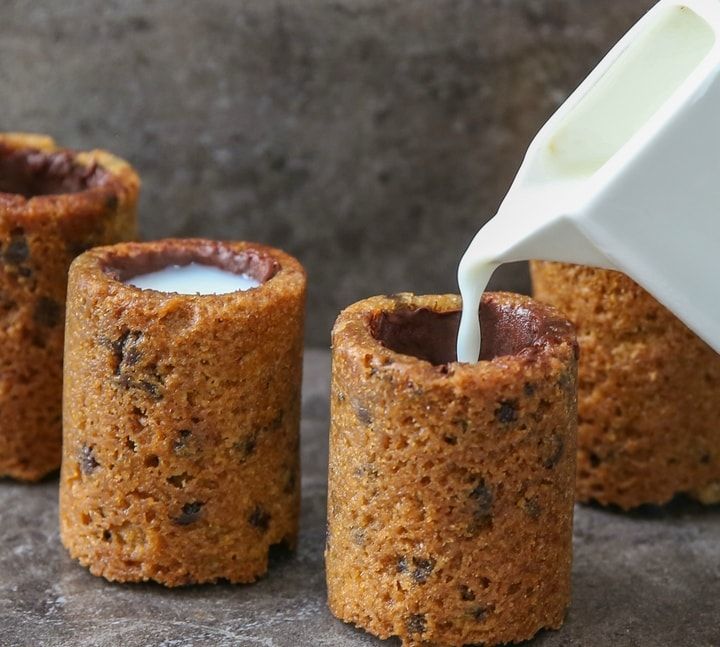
370, 138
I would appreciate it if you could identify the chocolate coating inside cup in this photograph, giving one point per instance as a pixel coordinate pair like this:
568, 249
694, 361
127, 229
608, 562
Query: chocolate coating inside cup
250, 262
29, 172
432, 336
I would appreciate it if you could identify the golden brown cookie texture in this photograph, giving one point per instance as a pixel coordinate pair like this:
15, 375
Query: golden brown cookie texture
54, 204
649, 391
451, 486
181, 416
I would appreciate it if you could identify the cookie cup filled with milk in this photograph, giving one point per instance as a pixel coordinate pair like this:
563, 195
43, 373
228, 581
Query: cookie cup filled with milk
181, 412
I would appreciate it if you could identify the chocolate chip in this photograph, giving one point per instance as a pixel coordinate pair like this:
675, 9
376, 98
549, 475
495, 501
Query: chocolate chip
259, 518
532, 508
88, 462
466, 593
482, 497
705, 458
17, 251
450, 440
190, 513
48, 312
107, 535
126, 350
127, 356
416, 623
246, 446
507, 411
362, 413
594, 459
111, 202
528, 389
423, 568
417, 390
480, 613
357, 535
462, 423
180, 443
367, 471
401, 565
151, 388
556, 452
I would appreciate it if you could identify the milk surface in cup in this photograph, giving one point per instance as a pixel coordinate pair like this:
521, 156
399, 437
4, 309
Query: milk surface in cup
193, 278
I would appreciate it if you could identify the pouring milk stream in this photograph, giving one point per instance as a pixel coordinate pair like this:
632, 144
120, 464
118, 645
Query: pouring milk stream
624, 176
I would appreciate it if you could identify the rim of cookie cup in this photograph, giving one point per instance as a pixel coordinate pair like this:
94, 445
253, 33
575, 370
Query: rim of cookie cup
277, 272
522, 338
39, 179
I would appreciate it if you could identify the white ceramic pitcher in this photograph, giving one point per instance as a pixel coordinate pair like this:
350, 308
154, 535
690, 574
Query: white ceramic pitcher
626, 174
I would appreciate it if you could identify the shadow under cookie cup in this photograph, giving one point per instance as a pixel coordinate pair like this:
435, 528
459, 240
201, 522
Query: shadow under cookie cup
54, 204
196, 404
451, 485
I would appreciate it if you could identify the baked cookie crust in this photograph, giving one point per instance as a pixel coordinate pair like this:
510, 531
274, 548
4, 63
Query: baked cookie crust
649, 391
54, 204
451, 486
181, 417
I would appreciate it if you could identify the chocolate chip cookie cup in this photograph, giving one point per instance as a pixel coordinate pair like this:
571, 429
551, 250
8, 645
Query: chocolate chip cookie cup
54, 204
181, 415
451, 486
649, 395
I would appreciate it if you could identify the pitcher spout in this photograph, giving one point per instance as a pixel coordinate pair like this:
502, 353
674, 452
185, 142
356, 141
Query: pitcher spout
508, 238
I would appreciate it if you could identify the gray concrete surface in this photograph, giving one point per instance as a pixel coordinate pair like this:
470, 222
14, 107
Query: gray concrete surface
647, 579
371, 138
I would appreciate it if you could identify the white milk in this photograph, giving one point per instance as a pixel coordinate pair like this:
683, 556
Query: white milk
597, 182
193, 279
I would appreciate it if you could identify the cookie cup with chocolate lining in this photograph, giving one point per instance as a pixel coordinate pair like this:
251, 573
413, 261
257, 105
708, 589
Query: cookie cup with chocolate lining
54, 204
181, 415
451, 486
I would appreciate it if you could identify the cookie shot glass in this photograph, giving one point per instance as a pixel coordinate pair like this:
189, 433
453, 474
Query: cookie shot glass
451, 486
183, 366
649, 395
54, 204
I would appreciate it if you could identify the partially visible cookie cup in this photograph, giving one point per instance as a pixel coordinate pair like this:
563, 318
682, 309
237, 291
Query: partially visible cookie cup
54, 204
649, 395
